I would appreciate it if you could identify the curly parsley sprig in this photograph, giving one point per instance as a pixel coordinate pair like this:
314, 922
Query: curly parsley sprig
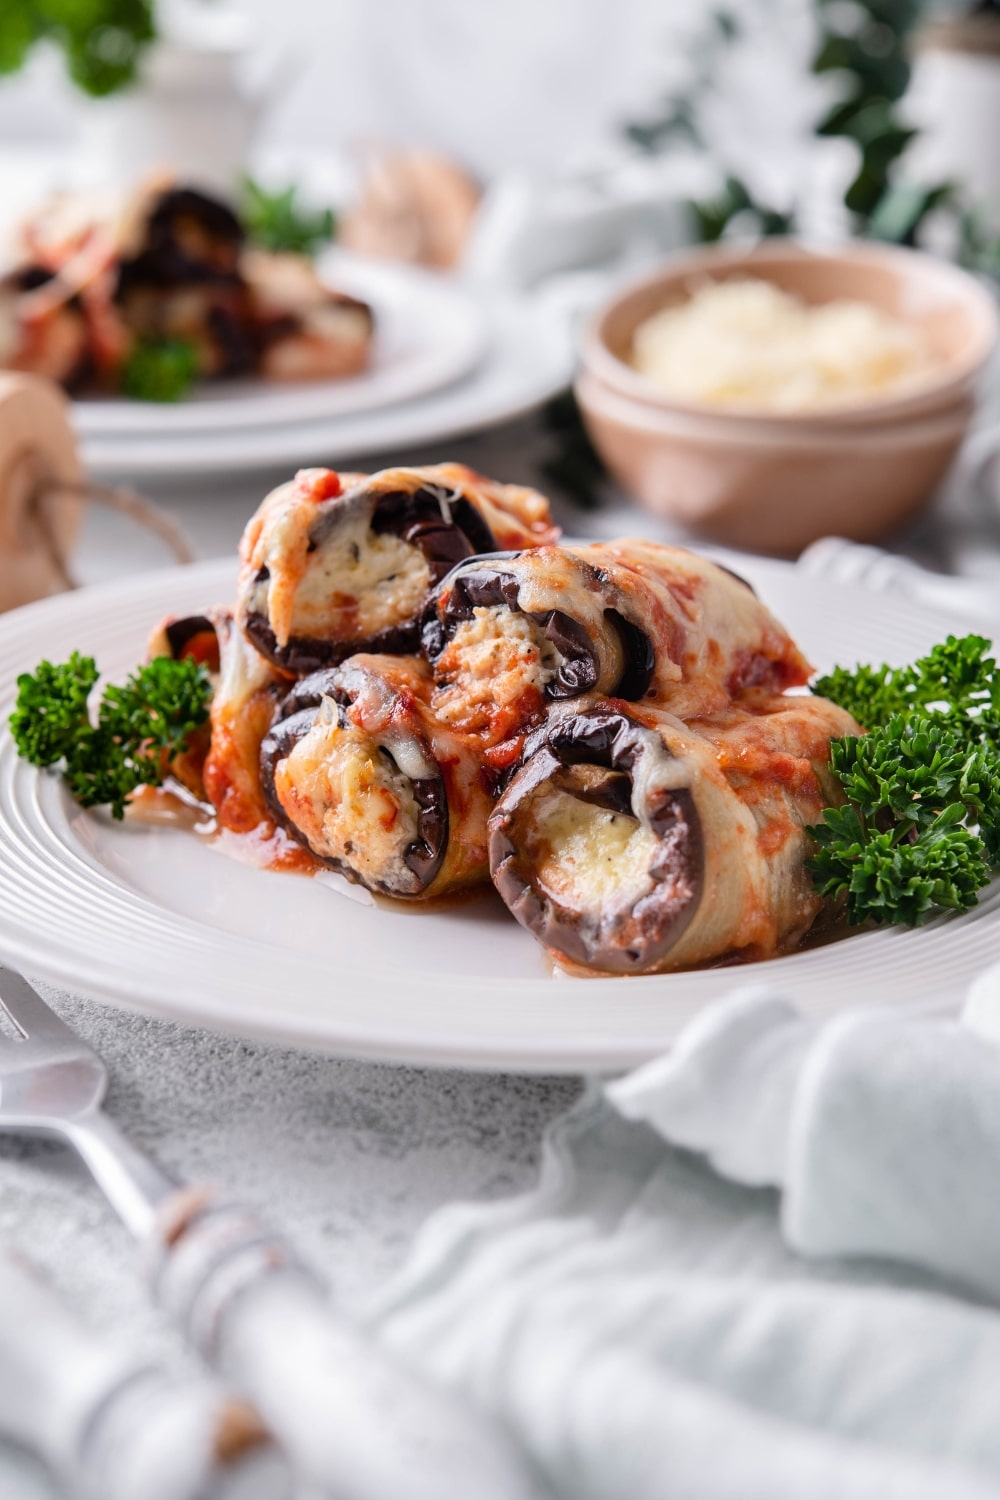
140, 725
957, 679
920, 830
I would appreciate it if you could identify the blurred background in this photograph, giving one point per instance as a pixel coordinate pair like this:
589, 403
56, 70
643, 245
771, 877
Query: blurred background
542, 150
796, 100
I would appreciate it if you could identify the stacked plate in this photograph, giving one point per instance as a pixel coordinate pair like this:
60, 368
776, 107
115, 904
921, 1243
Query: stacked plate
445, 362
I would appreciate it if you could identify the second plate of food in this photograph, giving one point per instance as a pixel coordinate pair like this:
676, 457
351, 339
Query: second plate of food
153, 918
429, 332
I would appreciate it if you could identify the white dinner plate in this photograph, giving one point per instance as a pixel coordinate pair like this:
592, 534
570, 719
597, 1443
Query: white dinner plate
155, 919
529, 358
429, 332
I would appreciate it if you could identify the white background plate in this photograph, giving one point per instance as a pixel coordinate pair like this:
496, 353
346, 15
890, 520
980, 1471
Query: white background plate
428, 333
156, 920
529, 358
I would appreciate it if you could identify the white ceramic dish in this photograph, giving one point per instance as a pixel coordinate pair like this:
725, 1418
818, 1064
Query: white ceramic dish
154, 919
428, 333
529, 358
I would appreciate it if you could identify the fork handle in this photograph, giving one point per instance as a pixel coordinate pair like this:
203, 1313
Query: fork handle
134, 1185
113, 1425
359, 1422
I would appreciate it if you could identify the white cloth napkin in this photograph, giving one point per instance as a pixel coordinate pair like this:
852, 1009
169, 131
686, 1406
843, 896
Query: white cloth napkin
655, 1319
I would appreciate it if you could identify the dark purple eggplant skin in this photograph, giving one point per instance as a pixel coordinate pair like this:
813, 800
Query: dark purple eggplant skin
467, 588
302, 655
180, 632
294, 717
642, 938
417, 517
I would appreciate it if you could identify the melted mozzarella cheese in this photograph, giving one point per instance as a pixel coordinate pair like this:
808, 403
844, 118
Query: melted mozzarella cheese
243, 672
352, 802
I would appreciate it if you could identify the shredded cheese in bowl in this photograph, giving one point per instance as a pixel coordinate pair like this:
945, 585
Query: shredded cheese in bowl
748, 345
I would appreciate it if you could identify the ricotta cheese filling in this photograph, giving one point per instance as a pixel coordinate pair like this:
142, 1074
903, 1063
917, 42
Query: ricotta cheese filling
490, 664
586, 857
353, 803
357, 583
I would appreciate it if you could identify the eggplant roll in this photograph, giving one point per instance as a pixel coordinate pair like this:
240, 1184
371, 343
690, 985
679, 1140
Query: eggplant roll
357, 769
305, 329
633, 620
195, 636
243, 705
179, 276
336, 564
222, 763
631, 843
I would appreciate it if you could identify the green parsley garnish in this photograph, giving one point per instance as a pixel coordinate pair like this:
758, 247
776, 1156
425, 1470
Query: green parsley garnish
160, 369
920, 830
140, 726
277, 221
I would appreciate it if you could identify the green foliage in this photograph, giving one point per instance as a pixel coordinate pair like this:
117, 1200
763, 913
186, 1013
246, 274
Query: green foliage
921, 827
140, 725
102, 39
864, 48
19, 30
979, 239
160, 369
714, 216
572, 462
867, 46
903, 207
277, 221
677, 118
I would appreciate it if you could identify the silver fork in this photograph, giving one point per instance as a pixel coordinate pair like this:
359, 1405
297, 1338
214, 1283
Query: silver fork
52, 1083
355, 1421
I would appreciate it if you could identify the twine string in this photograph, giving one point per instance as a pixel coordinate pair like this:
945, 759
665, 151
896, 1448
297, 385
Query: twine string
121, 498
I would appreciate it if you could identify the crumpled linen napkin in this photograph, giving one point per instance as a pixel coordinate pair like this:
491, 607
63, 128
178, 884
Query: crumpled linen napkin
688, 1304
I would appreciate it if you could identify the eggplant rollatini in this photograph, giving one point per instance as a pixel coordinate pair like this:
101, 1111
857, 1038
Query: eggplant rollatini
304, 329
357, 768
336, 564
631, 842
179, 277
197, 637
222, 763
632, 620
